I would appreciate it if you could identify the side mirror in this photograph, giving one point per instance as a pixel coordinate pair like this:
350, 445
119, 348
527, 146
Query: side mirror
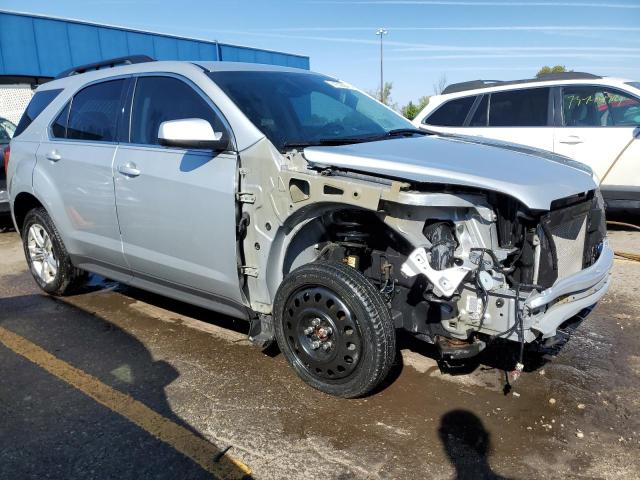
191, 133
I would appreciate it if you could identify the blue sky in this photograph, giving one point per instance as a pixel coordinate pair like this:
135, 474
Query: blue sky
463, 40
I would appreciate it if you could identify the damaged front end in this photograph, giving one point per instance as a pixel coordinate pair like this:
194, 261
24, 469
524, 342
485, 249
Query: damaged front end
462, 268
499, 270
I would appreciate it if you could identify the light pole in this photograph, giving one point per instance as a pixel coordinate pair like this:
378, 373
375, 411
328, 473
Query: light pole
381, 32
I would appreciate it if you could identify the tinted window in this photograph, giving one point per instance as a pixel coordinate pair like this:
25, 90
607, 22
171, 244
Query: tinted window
7, 130
294, 109
598, 107
59, 127
452, 113
519, 108
480, 116
94, 112
159, 99
38, 103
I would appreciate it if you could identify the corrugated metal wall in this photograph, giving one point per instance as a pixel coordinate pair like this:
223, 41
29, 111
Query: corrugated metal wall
37, 46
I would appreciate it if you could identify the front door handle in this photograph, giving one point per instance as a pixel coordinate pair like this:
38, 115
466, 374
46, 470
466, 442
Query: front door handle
129, 169
571, 140
53, 155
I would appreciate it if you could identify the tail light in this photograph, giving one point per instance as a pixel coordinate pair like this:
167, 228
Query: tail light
5, 155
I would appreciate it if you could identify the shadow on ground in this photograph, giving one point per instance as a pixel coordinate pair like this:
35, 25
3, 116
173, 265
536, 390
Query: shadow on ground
52, 430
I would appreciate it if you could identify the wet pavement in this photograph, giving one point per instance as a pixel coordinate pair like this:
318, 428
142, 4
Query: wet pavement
576, 415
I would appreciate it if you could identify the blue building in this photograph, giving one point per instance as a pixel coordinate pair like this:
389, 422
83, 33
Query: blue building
35, 48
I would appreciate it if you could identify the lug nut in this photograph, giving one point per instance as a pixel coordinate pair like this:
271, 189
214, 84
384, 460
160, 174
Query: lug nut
315, 322
328, 330
315, 345
326, 346
308, 330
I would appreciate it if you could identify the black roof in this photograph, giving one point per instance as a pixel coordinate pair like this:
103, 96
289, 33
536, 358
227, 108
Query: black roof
475, 84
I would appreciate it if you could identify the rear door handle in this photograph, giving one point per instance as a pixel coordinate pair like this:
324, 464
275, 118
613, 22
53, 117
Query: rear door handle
129, 169
53, 155
571, 140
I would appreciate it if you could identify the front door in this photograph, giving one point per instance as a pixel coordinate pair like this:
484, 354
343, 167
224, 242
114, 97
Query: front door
598, 125
176, 207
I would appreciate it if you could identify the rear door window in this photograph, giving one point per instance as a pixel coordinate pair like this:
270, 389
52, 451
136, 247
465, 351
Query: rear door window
159, 99
38, 103
480, 115
519, 108
94, 112
452, 114
59, 126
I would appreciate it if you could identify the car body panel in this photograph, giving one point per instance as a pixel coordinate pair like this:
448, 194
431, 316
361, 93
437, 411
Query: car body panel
79, 188
178, 217
598, 147
516, 171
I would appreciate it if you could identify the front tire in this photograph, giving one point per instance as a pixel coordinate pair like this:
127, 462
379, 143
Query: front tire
47, 256
334, 328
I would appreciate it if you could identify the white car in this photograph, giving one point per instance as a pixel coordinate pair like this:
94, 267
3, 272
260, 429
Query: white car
592, 119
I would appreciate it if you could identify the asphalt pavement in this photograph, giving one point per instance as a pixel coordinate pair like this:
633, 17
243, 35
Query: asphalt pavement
119, 383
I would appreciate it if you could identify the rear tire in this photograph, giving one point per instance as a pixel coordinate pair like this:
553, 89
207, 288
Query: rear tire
47, 256
334, 328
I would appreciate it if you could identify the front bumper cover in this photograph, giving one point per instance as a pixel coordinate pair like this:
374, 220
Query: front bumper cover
567, 297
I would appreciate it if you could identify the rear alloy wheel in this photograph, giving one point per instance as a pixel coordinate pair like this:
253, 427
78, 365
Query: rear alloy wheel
334, 328
47, 256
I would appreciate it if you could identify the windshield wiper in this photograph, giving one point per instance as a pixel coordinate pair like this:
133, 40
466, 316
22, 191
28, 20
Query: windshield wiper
398, 132
324, 142
406, 131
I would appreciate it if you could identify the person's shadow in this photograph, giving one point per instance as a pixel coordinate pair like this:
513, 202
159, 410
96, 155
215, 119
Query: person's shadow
467, 445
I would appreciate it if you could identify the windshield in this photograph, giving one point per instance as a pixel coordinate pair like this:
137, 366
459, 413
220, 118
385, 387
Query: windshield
301, 109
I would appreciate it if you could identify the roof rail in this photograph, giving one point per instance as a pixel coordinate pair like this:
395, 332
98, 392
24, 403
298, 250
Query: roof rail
470, 85
567, 76
113, 62
477, 84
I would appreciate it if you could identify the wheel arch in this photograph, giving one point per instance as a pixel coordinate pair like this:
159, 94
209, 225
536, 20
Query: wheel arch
295, 242
23, 204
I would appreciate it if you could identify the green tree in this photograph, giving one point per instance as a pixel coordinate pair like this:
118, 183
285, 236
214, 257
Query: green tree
410, 110
386, 94
555, 69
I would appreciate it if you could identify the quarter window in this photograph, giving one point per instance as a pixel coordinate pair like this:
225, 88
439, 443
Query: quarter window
94, 112
598, 107
38, 103
452, 113
159, 99
519, 108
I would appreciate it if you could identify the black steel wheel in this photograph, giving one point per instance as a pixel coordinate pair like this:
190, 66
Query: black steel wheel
334, 328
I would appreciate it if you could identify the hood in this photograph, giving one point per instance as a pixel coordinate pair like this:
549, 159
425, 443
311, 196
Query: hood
535, 177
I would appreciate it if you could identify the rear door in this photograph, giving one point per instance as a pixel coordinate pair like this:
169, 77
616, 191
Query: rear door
176, 207
518, 116
74, 171
597, 125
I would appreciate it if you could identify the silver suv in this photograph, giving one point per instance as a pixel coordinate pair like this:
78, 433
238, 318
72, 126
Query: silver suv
297, 202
